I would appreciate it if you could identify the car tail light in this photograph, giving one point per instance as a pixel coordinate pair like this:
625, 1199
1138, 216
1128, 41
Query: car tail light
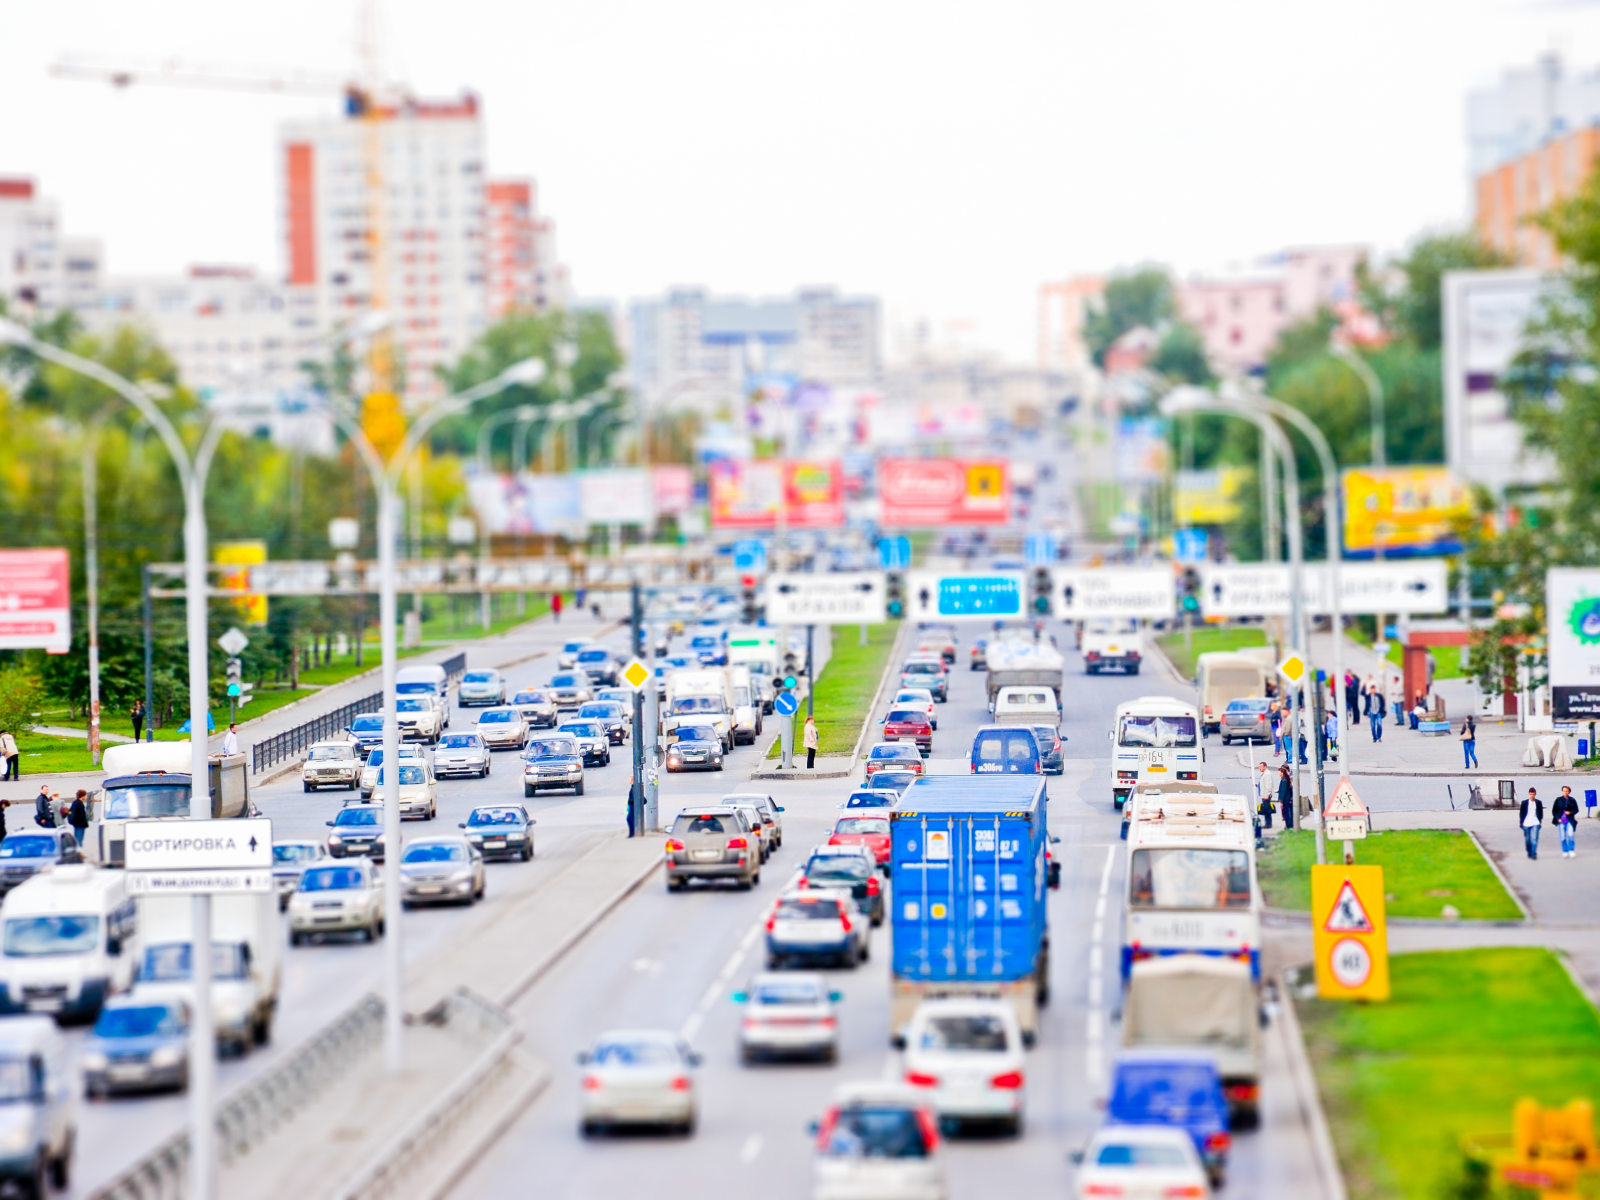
771, 921
1242, 1091
929, 1127
1188, 774
591, 1083
1208, 710
673, 845
1127, 774
1133, 654
1092, 655
1103, 1189
872, 886
1011, 1079
1183, 1190
1218, 1143
680, 1083
827, 1022
918, 1079
1261, 717
802, 882
844, 920
738, 843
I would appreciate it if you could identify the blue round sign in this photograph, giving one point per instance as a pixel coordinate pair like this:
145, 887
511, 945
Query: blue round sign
786, 704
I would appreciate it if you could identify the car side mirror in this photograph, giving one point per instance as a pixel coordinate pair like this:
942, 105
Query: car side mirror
461, 824
582, 1057
781, 808
1055, 839
328, 823
1108, 735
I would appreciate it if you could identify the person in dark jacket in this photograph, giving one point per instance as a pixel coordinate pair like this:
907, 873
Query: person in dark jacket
1286, 797
78, 815
1376, 714
4, 804
1532, 817
136, 715
44, 811
1564, 816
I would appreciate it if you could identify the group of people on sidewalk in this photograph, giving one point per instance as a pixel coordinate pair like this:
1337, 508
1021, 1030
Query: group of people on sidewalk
1563, 815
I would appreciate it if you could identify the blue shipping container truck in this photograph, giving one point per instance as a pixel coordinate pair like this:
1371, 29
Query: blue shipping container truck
970, 878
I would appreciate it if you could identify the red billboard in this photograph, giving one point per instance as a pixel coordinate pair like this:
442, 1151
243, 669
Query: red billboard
35, 604
748, 494
926, 493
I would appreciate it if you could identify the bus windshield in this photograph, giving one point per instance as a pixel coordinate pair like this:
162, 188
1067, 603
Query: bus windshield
1181, 877
148, 800
1156, 731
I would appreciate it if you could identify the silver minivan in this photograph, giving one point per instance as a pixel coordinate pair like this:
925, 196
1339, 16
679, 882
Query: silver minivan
37, 1114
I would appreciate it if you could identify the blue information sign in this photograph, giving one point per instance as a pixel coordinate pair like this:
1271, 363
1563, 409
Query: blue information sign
979, 596
1040, 549
894, 554
750, 554
786, 704
1190, 545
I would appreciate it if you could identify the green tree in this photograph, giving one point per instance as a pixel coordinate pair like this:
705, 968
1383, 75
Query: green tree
1408, 298
1132, 298
21, 694
1181, 355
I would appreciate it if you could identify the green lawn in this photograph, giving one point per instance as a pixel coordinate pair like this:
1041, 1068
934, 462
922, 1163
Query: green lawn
846, 687
1423, 870
1465, 1035
443, 624
1446, 659
1208, 639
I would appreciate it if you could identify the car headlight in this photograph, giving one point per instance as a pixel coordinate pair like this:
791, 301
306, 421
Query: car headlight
335, 840
95, 1062
169, 1056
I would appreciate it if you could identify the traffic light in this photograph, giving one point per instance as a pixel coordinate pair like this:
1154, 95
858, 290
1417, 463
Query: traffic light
894, 593
750, 598
235, 678
1041, 591
1189, 588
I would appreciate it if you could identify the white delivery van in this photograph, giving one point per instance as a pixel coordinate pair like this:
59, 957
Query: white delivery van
699, 696
1223, 677
151, 779
38, 1116
746, 705
756, 647
246, 958
1155, 739
1024, 705
68, 939
426, 679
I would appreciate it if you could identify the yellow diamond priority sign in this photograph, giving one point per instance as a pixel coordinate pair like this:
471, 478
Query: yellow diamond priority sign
636, 673
1293, 668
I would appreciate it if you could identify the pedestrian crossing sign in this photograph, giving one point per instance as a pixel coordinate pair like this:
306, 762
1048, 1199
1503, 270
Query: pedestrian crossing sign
1349, 933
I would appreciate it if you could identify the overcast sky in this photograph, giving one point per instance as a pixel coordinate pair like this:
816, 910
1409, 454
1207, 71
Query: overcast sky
948, 157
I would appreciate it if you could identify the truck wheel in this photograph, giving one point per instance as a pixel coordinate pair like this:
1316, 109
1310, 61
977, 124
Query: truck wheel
1134, 670
578, 791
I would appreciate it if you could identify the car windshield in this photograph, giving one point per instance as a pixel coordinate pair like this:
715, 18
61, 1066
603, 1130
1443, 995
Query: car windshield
24, 846
875, 825
331, 879
871, 800
586, 730
478, 677
1029, 699
406, 704
1246, 706
682, 705
922, 668
893, 751
375, 759
913, 697
494, 816
564, 681
293, 853
898, 780
787, 991
874, 1133
552, 748
573, 647
1046, 735
589, 656
695, 733
530, 698
460, 741
148, 800
358, 816
410, 776
975, 1033
1139, 1154
170, 963
1157, 731
707, 823
908, 714
495, 716
807, 908
1185, 877
635, 1054
435, 852
846, 868
63, 933
414, 689
131, 1022
367, 725
329, 753
604, 712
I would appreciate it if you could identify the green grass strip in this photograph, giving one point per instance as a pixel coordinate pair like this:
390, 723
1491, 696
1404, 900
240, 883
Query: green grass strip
1208, 640
846, 687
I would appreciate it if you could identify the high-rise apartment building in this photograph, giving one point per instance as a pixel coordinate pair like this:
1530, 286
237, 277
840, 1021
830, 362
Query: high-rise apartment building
1063, 312
521, 270
1526, 108
41, 269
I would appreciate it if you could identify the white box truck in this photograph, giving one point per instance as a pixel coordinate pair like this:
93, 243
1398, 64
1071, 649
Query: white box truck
746, 705
68, 939
756, 647
699, 696
151, 779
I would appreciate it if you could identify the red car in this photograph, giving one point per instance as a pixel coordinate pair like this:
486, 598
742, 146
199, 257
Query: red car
909, 725
871, 832
893, 756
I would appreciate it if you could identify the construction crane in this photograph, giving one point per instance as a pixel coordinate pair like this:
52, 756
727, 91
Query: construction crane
382, 413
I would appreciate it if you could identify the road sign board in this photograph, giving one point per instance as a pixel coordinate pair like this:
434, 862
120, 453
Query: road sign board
235, 844
1190, 545
1262, 590
786, 704
1346, 815
1293, 668
635, 673
1039, 549
966, 597
1349, 932
233, 642
894, 553
35, 600
1083, 593
826, 598
750, 554
198, 883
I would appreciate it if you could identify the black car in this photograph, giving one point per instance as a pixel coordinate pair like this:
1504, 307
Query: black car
599, 664
609, 714
501, 831
28, 851
358, 829
1052, 755
855, 870
697, 748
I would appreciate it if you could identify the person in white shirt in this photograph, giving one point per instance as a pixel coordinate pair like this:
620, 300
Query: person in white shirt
1266, 789
230, 740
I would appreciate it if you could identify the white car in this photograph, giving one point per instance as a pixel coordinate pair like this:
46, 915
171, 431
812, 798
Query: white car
878, 1141
638, 1077
787, 1013
409, 752
1141, 1160
567, 657
481, 687
968, 1054
920, 699
462, 754
417, 795
418, 718
503, 728
341, 897
331, 764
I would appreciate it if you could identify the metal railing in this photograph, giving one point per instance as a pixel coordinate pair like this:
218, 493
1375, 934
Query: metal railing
254, 1113
288, 744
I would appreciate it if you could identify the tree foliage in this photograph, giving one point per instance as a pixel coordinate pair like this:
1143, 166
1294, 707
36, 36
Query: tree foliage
1132, 298
1410, 301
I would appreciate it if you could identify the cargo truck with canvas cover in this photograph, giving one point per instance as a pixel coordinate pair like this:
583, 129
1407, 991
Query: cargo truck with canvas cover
1223, 677
1192, 885
1155, 739
1020, 664
968, 918
151, 779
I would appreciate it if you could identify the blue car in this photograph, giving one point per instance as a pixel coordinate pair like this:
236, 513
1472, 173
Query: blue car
872, 798
711, 651
1182, 1089
367, 730
1006, 750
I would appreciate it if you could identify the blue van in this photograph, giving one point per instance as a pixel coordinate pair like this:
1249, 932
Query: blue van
1006, 750
1182, 1089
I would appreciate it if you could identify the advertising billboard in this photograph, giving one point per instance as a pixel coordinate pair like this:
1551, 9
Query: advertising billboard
928, 493
1572, 617
1209, 497
528, 503
673, 489
1398, 512
1139, 454
35, 601
244, 555
748, 494
618, 496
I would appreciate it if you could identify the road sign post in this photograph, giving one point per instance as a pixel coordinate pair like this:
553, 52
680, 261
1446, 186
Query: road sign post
786, 705
1349, 932
636, 675
1346, 818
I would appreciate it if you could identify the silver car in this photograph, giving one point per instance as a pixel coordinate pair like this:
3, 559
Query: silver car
481, 687
567, 656
503, 729
344, 897
712, 842
289, 862
537, 708
637, 1077
1246, 720
592, 741
571, 690
771, 814
788, 1014
441, 870
462, 754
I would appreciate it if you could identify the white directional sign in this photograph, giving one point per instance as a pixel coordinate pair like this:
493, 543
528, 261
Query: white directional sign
177, 857
980, 596
826, 598
1262, 590
1083, 593
197, 883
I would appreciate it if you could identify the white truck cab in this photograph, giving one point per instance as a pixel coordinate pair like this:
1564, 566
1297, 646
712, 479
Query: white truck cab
699, 696
746, 705
1155, 739
68, 939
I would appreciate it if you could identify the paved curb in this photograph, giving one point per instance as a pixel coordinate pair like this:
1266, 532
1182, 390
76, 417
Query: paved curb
802, 774
1310, 1099
1500, 875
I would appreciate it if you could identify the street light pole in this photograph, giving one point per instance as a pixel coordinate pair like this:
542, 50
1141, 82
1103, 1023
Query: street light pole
1374, 388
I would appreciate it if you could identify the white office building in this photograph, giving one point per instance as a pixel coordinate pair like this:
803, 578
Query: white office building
42, 270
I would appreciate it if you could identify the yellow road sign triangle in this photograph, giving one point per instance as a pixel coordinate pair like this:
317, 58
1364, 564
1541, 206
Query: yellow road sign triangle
1349, 915
636, 673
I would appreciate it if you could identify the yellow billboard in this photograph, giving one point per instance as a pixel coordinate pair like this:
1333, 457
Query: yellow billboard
244, 555
1403, 511
1209, 497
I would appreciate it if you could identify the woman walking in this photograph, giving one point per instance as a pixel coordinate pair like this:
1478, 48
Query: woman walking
1469, 742
1286, 796
78, 815
810, 743
136, 714
1564, 815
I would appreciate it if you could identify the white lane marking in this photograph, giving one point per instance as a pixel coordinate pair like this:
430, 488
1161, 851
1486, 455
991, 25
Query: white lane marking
1094, 1029
751, 1150
719, 985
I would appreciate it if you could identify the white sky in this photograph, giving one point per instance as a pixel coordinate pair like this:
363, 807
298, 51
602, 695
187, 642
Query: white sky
946, 156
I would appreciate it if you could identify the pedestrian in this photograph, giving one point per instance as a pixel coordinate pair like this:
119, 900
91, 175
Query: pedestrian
1331, 749
1266, 787
78, 815
1304, 731
631, 794
1469, 743
1564, 816
810, 743
230, 740
1418, 711
1275, 718
1286, 796
1532, 818
577, 598
136, 715
1352, 698
1395, 699
13, 756
1367, 689
44, 812
4, 804
555, 606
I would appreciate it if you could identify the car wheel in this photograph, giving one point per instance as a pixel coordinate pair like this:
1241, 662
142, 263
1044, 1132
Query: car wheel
587, 1129
677, 885
527, 852
755, 879
866, 949
526, 791
381, 928
433, 811
296, 937
370, 933
746, 884
306, 786
578, 791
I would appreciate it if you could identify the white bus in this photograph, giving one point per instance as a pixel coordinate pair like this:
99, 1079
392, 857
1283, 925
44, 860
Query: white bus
1156, 739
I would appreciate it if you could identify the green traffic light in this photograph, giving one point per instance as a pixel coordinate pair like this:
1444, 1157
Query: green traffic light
233, 689
1191, 604
895, 608
789, 681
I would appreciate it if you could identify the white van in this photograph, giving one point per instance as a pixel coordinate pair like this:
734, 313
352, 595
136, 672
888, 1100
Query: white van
1155, 739
68, 939
426, 679
1020, 705
746, 705
246, 942
1223, 677
38, 1121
